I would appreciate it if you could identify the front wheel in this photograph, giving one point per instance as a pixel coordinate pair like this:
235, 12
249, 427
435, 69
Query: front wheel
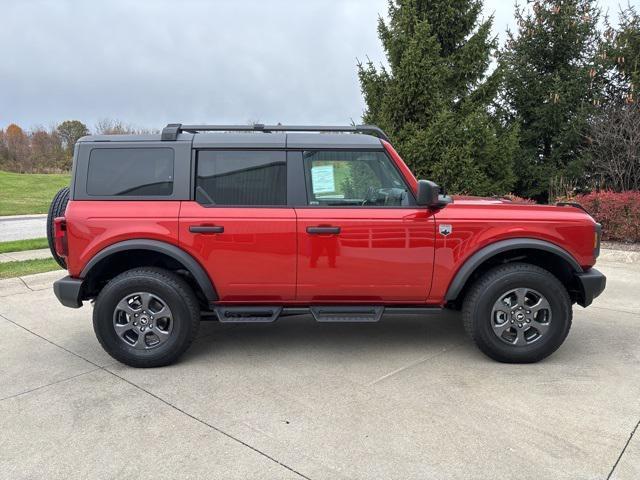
146, 317
517, 313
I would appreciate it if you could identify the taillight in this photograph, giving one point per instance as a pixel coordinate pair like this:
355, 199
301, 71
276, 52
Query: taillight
60, 236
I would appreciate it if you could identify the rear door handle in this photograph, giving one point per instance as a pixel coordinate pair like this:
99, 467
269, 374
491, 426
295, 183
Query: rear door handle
206, 229
321, 230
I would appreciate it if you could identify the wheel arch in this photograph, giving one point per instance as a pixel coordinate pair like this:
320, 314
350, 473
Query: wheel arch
538, 252
122, 256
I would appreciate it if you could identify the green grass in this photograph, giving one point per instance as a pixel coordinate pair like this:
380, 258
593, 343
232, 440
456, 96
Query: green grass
22, 245
27, 267
29, 192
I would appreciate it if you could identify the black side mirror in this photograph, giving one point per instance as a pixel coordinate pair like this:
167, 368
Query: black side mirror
428, 194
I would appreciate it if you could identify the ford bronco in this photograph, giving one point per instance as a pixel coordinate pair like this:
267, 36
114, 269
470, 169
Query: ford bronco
253, 223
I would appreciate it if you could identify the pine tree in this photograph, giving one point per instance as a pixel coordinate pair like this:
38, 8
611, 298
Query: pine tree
435, 97
552, 86
620, 52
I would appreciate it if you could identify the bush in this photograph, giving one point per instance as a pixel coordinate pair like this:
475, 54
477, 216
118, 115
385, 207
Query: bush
517, 199
619, 213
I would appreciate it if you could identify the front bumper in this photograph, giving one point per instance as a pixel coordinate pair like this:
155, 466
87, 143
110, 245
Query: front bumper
590, 284
68, 291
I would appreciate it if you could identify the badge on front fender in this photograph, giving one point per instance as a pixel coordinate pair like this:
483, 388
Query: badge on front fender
445, 229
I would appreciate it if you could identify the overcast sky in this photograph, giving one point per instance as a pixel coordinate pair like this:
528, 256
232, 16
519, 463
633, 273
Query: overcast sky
151, 62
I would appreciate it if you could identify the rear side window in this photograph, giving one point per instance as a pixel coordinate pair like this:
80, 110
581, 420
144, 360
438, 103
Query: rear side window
130, 172
228, 178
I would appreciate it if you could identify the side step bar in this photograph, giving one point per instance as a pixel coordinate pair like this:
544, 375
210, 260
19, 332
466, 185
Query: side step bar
321, 313
347, 314
248, 314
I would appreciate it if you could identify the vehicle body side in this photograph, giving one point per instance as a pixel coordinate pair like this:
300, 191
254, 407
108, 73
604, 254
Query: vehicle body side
405, 255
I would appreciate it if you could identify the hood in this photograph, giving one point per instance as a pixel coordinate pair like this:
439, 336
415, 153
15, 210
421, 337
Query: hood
470, 200
522, 205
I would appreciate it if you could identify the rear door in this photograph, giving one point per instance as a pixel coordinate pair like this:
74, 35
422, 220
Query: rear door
239, 225
361, 238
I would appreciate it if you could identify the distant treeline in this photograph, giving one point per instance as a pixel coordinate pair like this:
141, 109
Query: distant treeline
42, 150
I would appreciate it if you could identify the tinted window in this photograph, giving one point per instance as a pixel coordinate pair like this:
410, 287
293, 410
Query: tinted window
241, 178
130, 171
353, 179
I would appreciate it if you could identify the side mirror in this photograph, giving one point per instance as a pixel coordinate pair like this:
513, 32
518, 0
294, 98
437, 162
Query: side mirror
428, 194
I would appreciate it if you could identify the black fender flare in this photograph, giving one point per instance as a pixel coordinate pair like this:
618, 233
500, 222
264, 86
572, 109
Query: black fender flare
190, 263
475, 260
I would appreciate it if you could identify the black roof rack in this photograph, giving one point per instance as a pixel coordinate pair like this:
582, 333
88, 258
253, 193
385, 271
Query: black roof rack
171, 131
573, 204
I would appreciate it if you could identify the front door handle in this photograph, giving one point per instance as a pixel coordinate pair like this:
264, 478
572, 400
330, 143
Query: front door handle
206, 229
321, 230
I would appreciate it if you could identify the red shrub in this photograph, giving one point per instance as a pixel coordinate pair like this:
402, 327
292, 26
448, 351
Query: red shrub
517, 199
619, 213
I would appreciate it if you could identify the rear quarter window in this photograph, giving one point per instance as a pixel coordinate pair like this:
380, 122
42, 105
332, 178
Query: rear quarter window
130, 172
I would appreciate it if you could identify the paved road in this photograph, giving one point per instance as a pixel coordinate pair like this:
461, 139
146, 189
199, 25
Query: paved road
401, 399
21, 227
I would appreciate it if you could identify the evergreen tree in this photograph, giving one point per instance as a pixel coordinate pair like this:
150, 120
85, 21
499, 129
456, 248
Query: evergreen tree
620, 52
435, 98
552, 86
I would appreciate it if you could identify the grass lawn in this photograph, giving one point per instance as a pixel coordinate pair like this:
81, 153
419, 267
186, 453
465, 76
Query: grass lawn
27, 267
29, 192
22, 245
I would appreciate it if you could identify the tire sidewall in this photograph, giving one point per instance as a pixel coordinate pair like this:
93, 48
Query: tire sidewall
56, 209
120, 288
546, 285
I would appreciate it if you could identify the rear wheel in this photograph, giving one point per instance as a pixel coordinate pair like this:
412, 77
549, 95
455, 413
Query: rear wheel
517, 313
146, 317
56, 209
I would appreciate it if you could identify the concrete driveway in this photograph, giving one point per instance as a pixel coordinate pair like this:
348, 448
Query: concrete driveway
405, 398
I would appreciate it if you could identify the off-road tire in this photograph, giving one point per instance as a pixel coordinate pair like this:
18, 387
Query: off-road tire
56, 209
177, 295
479, 302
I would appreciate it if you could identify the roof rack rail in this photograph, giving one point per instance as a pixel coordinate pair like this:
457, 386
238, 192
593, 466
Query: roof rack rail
171, 131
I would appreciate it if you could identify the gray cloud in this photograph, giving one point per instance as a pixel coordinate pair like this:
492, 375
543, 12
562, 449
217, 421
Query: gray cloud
149, 62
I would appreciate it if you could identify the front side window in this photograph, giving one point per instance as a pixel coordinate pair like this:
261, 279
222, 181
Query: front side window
351, 178
243, 178
130, 172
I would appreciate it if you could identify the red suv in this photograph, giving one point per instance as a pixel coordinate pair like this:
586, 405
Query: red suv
257, 222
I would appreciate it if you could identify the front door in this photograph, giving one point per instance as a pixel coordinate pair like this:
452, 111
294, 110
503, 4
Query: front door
240, 227
361, 238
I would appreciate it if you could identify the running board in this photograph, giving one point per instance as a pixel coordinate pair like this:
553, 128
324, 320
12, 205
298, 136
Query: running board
347, 314
248, 314
321, 313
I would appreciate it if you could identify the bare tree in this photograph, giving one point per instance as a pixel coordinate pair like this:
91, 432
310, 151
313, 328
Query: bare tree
47, 154
16, 143
108, 126
615, 146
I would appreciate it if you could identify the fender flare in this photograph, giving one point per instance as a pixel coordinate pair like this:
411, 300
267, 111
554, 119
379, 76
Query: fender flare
475, 260
190, 263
